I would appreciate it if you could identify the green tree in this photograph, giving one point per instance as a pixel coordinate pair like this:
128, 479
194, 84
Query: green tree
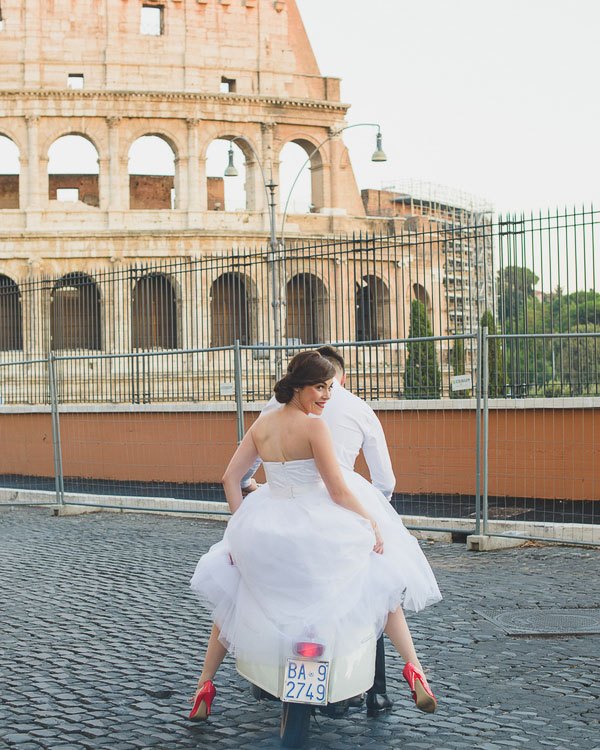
580, 361
495, 369
422, 377
551, 367
521, 312
573, 311
516, 297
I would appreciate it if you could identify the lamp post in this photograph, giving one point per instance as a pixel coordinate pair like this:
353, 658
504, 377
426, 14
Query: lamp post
277, 249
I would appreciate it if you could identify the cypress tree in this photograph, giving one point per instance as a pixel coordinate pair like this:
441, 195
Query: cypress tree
422, 377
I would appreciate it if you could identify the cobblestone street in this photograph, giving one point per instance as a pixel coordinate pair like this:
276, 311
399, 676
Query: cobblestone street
101, 643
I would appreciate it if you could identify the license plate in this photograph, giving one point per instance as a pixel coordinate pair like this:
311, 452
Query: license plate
306, 681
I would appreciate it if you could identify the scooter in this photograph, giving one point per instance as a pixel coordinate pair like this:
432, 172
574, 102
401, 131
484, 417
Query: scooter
311, 673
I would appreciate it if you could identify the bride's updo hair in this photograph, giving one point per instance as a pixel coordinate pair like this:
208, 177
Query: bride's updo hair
306, 368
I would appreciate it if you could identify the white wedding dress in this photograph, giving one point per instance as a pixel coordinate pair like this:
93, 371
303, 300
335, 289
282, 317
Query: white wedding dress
293, 564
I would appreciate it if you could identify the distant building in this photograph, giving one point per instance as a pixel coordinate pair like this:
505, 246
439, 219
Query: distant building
467, 250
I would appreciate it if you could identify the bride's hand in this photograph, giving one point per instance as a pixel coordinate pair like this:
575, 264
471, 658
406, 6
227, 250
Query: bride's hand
378, 539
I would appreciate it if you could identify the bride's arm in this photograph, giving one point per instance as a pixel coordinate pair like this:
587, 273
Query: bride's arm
240, 462
329, 469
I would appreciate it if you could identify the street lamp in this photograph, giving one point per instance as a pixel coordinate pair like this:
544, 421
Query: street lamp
231, 171
275, 248
378, 156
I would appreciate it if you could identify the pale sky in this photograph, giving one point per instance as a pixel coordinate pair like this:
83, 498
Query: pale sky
500, 99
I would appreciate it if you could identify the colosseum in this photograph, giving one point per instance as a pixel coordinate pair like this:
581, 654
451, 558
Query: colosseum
123, 254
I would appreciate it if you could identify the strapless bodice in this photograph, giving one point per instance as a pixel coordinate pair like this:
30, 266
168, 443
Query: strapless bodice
292, 478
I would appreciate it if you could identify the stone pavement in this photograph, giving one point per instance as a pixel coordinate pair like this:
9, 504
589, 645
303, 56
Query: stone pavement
101, 642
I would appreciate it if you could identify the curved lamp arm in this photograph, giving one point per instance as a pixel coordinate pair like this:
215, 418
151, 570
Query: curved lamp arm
333, 135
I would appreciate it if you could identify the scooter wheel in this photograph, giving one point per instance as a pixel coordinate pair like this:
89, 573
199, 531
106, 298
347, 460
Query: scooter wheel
295, 722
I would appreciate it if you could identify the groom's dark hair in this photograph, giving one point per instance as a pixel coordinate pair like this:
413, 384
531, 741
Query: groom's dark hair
332, 354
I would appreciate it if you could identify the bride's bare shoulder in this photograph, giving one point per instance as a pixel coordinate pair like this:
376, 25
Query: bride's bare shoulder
282, 417
318, 428
269, 417
267, 421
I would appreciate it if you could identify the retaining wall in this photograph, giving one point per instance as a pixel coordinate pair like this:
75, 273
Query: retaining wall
538, 448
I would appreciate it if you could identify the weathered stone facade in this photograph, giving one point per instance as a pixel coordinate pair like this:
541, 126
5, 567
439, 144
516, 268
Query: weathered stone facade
211, 69
168, 85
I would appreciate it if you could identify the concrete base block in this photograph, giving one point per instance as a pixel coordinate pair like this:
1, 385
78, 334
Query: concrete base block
484, 543
17, 496
432, 536
79, 502
74, 510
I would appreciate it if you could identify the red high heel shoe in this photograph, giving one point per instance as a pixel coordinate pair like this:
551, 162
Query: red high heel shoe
421, 692
203, 702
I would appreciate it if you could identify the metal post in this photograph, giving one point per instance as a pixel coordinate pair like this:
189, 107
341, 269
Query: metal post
274, 253
478, 438
237, 364
56, 444
485, 377
273, 256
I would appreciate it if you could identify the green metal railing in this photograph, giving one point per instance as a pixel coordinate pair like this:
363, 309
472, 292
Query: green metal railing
522, 277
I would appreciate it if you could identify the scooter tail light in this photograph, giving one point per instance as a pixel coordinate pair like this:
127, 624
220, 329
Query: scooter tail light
309, 650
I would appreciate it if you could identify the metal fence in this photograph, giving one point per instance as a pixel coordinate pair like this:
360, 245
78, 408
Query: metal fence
154, 348
476, 463
521, 276
541, 457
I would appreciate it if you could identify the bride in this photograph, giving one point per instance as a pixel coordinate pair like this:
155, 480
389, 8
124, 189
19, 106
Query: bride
315, 549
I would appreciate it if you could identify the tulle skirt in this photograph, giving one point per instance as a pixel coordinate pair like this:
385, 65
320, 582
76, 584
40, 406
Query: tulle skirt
293, 564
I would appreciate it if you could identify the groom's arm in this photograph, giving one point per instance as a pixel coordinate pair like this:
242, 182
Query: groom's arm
246, 480
377, 455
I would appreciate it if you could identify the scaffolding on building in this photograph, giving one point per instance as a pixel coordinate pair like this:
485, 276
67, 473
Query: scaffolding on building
469, 246
459, 205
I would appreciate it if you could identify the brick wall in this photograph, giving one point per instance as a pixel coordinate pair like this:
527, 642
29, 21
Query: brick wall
533, 453
87, 184
9, 191
146, 191
150, 191
215, 187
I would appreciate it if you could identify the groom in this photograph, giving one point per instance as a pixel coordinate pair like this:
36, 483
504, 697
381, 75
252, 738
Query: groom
353, 426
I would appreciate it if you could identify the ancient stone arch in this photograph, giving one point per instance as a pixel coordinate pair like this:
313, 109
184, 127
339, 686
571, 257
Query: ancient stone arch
373, 315
309, 143
153, 189
253, 162
62, 130
75, 313
154, 318
11, 315
142, 129
9, 178
307, 309
84, 181
14, 135
232, 309
318, 164
419, 292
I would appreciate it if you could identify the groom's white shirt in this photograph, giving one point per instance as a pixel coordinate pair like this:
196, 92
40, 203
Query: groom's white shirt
353, 425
